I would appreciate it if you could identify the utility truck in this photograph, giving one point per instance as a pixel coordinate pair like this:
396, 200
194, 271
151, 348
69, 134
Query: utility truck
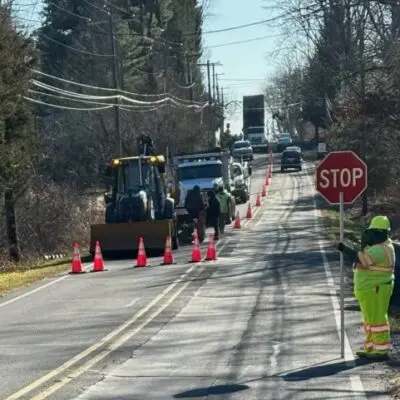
207, 169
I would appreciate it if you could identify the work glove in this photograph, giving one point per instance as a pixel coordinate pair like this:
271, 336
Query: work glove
341, 247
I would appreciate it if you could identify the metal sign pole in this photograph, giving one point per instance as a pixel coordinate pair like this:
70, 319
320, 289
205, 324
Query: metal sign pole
341, 235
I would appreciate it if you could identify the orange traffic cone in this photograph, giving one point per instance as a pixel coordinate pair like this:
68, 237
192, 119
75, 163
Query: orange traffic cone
168, 257
141, 260
249, 214
237, 224
258, 201
264, 192
196, 253
76, 261
98, 264
211, 252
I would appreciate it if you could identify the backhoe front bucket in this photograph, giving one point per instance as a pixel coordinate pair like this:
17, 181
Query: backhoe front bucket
124, 237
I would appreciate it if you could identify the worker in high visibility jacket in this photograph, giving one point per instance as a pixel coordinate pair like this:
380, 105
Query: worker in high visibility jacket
373, 285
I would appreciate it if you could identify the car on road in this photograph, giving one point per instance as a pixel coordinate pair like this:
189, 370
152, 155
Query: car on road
293, 148
242, 150
283, 143
291, 159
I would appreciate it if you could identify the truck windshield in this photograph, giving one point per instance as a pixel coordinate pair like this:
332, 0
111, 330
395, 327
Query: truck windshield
129, 178
200, 171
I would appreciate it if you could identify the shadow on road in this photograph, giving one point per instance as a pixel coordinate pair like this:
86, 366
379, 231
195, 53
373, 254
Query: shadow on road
320, 371
211, 390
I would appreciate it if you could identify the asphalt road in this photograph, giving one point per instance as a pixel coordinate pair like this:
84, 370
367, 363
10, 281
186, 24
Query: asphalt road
259, 323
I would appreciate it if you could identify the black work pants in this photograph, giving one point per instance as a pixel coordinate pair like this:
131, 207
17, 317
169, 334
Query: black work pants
214, 222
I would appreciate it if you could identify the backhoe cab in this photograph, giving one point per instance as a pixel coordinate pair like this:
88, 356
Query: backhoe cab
137, 206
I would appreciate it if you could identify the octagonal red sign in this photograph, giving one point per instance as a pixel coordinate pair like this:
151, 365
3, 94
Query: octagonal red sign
341, 171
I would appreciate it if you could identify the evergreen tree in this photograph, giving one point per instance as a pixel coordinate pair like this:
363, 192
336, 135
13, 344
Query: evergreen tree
17, 139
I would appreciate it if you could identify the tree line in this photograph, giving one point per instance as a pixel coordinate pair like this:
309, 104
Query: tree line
91, 78
341, 77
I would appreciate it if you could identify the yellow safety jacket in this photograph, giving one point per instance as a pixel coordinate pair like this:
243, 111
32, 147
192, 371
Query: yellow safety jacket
375, 266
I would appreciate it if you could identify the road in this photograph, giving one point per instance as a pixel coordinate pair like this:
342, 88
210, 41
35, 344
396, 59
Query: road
259, 323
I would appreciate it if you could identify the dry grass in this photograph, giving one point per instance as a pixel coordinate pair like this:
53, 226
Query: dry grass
352, 229
15, 276
26, 274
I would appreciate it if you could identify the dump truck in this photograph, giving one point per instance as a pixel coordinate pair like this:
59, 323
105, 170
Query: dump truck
206, 169
254, 122
137, 206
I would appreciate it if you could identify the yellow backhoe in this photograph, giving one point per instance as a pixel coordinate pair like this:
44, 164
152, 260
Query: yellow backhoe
137, 206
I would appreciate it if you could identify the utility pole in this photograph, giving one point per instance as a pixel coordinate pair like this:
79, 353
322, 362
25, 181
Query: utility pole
115, 83
210, 111
189, 77
209, 83
213, 72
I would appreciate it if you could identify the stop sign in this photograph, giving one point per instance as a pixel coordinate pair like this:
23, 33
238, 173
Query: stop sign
341, 171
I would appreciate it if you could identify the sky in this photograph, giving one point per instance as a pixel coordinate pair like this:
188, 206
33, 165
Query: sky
246, 67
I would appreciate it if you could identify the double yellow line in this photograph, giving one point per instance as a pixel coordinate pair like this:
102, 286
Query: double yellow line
109, 343
110, 339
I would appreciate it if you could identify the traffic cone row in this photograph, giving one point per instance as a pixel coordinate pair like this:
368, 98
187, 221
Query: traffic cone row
168, 259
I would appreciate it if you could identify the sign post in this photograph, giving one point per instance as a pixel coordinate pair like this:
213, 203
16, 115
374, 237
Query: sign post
341, 177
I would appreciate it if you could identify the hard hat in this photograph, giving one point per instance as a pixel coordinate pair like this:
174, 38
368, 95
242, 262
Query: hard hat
380, 222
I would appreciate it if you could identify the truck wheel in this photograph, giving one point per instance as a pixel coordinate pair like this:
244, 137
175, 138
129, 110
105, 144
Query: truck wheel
169, 209
109, 217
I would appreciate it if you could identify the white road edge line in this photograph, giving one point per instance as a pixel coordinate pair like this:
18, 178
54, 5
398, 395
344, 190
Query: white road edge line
355, 380
104, 353
39, 382
38, 289
68, 364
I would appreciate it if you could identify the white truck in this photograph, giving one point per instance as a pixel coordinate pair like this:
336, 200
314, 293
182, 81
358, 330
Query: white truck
207, 170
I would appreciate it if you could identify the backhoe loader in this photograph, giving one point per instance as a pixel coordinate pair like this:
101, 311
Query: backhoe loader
137, 206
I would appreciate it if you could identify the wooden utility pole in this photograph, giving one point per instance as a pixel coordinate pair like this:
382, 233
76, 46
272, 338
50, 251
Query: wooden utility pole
119, 150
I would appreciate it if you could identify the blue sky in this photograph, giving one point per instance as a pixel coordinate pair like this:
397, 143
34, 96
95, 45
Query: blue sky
243, 61
246, 66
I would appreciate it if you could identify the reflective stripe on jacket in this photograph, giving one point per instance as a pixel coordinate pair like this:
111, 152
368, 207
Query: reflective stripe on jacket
375, 266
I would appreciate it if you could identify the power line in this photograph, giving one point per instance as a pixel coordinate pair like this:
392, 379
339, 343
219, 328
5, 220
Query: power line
66, 108
104, 88
235, 27
175, 101
241, 41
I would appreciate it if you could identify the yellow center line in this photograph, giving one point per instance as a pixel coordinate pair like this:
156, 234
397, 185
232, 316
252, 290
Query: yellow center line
113, 346
70, 363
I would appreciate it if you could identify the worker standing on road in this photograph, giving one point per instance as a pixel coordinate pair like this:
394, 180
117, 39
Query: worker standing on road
213, 213
223, 199
195, 206
373, 285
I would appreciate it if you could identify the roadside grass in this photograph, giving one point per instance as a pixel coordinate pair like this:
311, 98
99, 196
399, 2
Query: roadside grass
331, 221
309, 155
15, 276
